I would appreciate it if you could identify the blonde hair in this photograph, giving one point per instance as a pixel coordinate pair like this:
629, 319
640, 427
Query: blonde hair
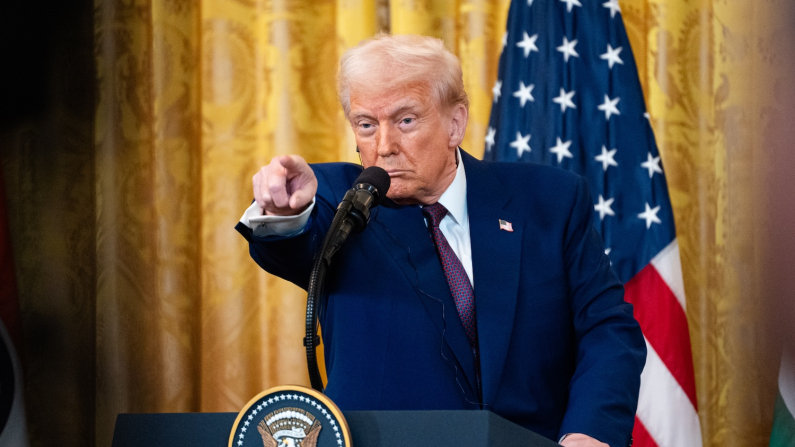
403, 59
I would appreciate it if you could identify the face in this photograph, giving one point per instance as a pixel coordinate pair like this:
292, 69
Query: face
402, 130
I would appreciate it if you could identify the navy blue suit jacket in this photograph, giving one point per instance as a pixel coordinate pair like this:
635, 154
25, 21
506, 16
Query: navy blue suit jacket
560, 350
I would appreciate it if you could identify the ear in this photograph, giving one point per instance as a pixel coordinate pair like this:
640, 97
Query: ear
459, 117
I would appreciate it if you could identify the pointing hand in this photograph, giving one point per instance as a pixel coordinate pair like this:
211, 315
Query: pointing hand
285, 187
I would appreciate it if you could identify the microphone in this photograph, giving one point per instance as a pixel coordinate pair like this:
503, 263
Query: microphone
369, 190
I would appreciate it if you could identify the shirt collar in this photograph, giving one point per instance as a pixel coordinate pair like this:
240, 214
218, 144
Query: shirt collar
455, 197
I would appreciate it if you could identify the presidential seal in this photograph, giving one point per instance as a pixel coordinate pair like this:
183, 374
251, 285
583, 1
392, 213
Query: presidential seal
290, 416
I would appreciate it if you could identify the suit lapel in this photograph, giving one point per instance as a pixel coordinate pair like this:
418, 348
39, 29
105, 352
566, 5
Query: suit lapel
496, 260
405, 237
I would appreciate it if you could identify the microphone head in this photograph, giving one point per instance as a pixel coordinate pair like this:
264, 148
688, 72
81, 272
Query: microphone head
376, 180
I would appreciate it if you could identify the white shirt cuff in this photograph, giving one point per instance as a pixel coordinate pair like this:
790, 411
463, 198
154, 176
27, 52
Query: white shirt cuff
285, 226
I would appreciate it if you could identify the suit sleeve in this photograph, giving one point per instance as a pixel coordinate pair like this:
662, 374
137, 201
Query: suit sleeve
291, 257
611, 352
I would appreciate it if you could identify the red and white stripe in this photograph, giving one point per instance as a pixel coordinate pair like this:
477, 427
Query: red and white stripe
667, 413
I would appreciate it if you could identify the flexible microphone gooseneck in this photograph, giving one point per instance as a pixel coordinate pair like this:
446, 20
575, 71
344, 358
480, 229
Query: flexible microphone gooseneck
353, 214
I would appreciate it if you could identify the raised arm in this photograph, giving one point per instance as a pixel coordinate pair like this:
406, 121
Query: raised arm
285, 190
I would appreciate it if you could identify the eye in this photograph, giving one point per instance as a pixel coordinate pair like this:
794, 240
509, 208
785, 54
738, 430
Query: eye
365, 128
408, 120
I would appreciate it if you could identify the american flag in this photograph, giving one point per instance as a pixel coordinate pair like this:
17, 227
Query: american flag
568, 95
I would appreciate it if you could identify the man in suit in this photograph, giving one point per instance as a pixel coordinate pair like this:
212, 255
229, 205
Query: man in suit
475, 285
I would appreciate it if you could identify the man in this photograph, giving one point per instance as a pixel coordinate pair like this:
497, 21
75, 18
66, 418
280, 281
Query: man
477, 285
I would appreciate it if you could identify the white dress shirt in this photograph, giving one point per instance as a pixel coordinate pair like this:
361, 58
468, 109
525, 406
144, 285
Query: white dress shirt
454, 226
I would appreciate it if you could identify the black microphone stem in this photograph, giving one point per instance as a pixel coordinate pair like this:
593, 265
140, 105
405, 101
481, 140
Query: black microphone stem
314, 291
352, 215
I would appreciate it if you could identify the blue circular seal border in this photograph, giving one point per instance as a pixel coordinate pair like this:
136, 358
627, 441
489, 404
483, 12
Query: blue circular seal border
334, 431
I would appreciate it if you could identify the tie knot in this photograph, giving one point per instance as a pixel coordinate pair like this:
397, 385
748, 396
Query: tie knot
435, 213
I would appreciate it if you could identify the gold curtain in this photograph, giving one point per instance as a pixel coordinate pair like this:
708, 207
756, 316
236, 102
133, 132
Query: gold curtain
706, 69
193, 97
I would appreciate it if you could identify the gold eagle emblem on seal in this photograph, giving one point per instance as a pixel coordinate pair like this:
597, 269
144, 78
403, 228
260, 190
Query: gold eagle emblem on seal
289, 427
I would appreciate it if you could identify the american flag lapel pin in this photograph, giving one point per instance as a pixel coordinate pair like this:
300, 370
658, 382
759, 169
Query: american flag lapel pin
505, 225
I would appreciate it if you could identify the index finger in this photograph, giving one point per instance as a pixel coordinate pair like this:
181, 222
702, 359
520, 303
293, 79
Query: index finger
292, 164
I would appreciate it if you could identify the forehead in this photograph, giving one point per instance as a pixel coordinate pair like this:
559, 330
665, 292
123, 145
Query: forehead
387, 96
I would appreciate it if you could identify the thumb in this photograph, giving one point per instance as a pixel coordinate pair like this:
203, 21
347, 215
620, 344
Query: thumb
302, 197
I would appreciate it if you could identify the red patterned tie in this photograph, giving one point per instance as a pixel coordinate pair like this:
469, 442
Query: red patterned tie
457, 277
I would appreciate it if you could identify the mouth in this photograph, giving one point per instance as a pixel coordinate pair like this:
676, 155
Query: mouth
395, 172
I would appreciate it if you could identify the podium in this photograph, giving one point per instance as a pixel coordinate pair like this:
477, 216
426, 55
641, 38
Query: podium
368, 429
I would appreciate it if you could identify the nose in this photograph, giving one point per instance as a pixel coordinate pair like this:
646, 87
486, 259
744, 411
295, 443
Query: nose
387, 141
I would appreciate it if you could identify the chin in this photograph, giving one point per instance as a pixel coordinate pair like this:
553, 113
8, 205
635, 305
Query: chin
401, 197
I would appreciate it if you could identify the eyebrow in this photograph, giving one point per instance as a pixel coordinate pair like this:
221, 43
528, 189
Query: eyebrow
403, 108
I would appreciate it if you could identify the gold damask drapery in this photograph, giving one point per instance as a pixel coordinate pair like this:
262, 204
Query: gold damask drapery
193, 97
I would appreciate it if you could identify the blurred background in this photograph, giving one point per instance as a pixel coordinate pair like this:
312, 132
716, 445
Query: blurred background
130, 130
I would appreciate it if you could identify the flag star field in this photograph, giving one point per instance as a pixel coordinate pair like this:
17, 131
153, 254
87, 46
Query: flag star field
568, 95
